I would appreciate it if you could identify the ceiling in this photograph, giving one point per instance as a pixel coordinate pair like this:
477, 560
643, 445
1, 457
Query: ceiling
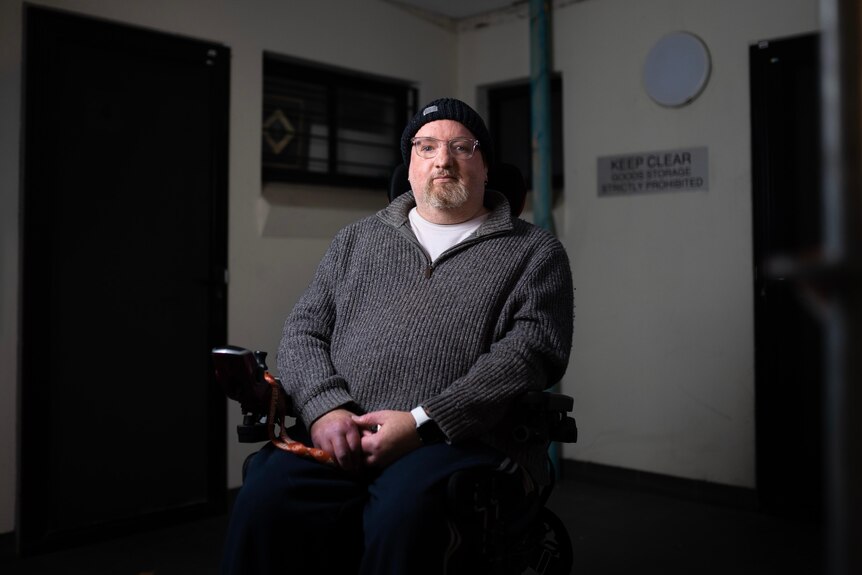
459, 9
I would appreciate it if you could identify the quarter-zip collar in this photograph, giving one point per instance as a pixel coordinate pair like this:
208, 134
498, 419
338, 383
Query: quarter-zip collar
499, 222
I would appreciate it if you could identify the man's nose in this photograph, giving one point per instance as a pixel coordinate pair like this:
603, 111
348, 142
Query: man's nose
444, 157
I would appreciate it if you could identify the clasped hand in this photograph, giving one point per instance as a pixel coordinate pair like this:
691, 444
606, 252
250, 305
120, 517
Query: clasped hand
375, 439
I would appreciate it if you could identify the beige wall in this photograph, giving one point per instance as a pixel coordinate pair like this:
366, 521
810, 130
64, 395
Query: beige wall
663, 363
662, 370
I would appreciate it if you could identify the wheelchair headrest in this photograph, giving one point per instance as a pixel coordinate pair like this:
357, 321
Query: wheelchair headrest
505, 178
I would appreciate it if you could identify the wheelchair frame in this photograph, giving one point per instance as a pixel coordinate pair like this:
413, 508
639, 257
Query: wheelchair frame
513, 531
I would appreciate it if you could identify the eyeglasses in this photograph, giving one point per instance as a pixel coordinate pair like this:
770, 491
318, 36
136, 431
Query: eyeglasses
459, 148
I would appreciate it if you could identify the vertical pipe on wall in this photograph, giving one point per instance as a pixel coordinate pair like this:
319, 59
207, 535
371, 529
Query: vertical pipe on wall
841, 56
540, 115
540, 122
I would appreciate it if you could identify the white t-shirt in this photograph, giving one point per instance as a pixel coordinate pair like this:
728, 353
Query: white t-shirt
437, 238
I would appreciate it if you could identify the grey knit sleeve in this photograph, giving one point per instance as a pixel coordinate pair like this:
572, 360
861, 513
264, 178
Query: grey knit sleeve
530, 352
304, 361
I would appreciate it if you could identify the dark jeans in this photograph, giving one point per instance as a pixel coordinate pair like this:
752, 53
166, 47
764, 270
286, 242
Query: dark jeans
294, 515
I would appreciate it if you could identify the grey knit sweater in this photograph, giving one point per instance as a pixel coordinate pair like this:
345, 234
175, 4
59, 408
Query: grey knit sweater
380, 327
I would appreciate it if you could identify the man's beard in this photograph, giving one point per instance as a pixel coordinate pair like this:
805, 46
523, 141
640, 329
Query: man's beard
445, 195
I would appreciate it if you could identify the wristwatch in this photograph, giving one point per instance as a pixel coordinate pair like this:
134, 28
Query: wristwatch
430, 432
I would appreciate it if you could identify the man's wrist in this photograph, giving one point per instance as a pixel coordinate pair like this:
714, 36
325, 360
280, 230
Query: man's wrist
428, 430
419, 415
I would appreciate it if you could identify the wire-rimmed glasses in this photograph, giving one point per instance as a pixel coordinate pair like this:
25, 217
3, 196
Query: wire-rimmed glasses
459, 148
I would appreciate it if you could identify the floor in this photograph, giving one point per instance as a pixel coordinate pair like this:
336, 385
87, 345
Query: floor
613, 531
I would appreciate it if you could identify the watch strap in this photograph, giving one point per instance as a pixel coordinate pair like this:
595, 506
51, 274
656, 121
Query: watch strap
430, 432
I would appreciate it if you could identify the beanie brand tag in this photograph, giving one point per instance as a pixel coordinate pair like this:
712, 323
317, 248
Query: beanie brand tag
429, 110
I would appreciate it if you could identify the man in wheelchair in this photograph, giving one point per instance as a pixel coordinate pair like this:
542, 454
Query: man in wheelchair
403, 360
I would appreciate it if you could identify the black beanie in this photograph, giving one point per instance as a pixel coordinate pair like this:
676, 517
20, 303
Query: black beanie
448, 109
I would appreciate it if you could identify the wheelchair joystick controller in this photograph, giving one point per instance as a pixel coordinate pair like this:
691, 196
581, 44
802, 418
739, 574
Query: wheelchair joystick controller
241, 374
260, 356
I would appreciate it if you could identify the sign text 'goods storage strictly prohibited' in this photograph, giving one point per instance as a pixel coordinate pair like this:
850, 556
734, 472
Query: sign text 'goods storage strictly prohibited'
685, 170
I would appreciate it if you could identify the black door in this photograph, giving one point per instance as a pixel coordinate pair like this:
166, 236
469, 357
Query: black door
786, 192
124, 199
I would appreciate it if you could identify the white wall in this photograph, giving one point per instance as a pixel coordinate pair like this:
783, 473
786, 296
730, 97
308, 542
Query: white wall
663, 364
662, 370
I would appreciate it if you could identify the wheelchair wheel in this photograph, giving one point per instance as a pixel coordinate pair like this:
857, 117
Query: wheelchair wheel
552, 553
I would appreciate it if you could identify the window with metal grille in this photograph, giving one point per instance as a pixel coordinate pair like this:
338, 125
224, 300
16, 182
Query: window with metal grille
330, 126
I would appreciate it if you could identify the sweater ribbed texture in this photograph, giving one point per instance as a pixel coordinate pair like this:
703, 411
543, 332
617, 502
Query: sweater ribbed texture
381, 328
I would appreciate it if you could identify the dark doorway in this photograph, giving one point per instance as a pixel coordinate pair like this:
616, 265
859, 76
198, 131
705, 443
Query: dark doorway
785, 97
124, 259
509, 119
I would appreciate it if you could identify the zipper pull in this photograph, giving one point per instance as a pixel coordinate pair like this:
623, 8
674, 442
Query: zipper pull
428, 271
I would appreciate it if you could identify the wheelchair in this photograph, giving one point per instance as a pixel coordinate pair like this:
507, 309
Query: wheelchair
500, 528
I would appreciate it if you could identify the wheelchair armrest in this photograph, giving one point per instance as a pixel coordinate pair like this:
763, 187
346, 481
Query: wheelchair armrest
552, 410
566, 430
549, 401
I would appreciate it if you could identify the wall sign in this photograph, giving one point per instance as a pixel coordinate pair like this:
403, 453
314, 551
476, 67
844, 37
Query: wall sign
685, 170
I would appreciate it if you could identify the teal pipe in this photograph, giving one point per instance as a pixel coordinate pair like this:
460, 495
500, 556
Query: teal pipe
540, 111
540, 122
